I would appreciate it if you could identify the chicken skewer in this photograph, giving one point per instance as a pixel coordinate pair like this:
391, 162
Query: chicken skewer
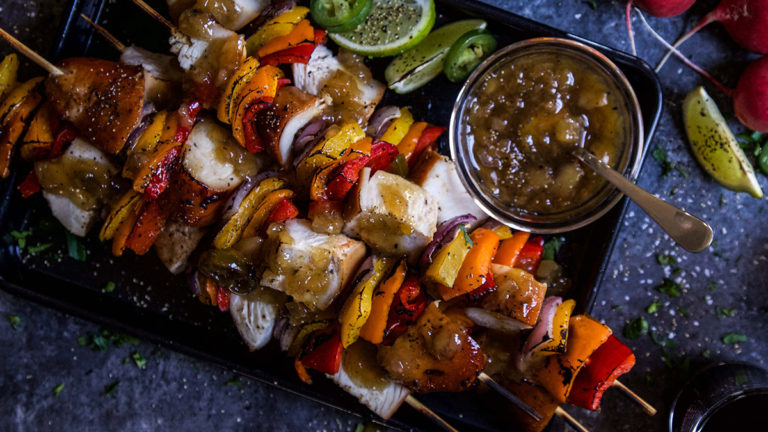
106, 34
31, 54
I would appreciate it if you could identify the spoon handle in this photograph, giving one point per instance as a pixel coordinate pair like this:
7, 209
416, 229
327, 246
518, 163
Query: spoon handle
690, 232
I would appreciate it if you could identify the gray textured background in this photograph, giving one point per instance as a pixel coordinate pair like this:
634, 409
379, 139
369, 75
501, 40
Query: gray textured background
174, 392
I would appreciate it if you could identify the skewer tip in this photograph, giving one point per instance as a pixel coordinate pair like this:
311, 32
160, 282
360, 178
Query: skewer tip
572, 422
648, 408
107, 35
498, 388
30, 54
420, 407
157, 16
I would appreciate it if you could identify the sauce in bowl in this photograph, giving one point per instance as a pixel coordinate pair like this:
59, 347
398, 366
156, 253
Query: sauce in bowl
525, 117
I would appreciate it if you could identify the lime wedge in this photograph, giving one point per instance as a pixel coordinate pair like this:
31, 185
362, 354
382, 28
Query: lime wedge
390, 28
715, 146
417, 66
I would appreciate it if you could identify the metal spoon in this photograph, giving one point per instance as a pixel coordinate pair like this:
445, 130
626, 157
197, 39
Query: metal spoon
690, 232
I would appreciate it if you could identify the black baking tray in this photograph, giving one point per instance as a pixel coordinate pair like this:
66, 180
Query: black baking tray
150, 303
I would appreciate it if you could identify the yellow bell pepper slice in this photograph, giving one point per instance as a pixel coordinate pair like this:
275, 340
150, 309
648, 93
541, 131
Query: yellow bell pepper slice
280, 25
235, 83
329, 149
560, 324
399, 127
263, 210
447, 263
357, 307
233, 229
129, 204
40, 136
16, 98
8, 69
303, 32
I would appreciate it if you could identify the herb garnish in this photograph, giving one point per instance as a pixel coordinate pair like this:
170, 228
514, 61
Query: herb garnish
467, 239
723, 312
666, 260
670, 288
235, 382
636, 328
683, 311
551, 248
57, 389
137, 359
102, 340
734, 338
34, 250
15, 321
21, 237
110, 388
653, 307
109, 287
711, 286
591, 4
75, 249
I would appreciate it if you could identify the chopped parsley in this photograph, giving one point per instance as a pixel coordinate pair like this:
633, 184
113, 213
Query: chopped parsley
653, 307
21, 237
109, 287
110, 388
467, 239
591, 4
734, 338
616, 307
664, 343
683, 311
666, 260
235, 382
75, 249
14, 321
551, 248
57, 389
670, 288
723, 312
751, 142
34, 250
103, 339
636, 328
711, 286
138, 360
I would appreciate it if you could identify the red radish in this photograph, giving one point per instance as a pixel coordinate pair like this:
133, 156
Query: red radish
750, 97
657, 8
745, 20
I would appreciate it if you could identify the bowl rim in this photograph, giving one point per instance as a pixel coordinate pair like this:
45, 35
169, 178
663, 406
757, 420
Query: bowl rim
612, 196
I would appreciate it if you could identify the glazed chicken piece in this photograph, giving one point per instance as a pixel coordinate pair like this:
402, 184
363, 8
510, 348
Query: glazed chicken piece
103, 99
232, 14
279, 123
435, 355
437, 175
345, 78
311, 267
392, 214
517, 295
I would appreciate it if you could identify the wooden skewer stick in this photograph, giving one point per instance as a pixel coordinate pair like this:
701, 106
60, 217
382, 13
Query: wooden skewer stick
420, 407
156, 15
498, 388
107, 35
572, 422
648, 408
27, 51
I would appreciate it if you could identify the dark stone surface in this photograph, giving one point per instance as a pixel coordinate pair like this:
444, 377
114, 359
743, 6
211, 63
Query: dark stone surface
174, 392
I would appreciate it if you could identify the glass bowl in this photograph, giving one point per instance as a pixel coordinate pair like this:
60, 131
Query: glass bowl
605, 197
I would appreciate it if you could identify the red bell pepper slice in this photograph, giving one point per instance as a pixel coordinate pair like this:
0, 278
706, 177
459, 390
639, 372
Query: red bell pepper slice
65, 135
320, 36
253, 141
474, 296
162, 175
347, 175
149, 225
222, 298
284, 210
611, 360
187, 114
323, 353
427, 139
30, 185
530, 255
407, 306
298, 54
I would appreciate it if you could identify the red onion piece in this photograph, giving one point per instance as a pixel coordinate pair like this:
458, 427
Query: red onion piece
307, 140
445, 233
133, 138
193, 281
381, 119
543, 331
496, 321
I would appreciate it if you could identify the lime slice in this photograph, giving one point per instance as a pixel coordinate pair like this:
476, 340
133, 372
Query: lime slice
390, 28
715, 146
417, 66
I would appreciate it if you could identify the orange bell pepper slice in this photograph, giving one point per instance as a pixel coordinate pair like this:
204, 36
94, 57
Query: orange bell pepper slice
374, 328
510, 248
476, 265
303, 32
264, 210
585, 335
408, 144
149, 225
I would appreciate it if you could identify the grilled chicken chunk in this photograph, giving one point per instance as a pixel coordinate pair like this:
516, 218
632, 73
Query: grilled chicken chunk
103, 99
232, 14
517, 295
77, 184
361, 376
437, 175
313, 268
434, 355
162, 75
392, 214
213, 166
345, 78
255, 315
176, 243
279, 123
